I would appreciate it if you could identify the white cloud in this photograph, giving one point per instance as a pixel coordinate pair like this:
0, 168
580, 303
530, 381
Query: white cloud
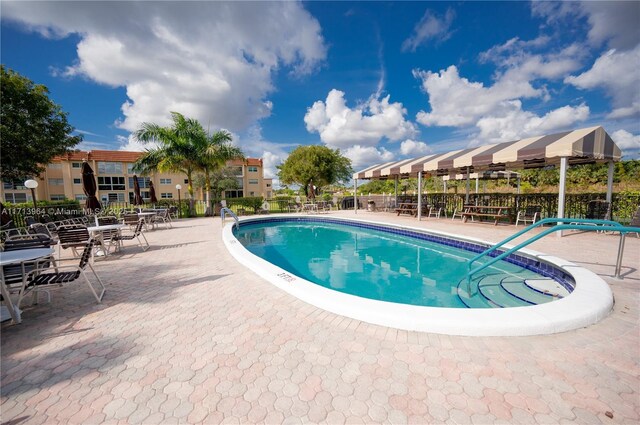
626, 141
430, 27
364, 125
363, 156
611, 22
617, 73
456, 101
213, 61
514, 123
131, 144
413, 148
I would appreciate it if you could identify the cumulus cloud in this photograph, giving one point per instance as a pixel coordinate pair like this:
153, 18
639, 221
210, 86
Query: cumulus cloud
430, 27
364, 125
413, 148
617, 73
514, 123
213, 61
364, 156
626, 141
450, 94
614, 23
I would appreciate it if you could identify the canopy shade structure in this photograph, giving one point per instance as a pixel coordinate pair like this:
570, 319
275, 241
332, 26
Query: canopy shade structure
586, 145
583, 146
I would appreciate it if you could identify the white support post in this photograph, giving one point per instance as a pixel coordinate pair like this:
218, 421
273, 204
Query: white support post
561, 191
444, 183
355, 196
466, 198
419, 195
396, 193
610, 182
477, 184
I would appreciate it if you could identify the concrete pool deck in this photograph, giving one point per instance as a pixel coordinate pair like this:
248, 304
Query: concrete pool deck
185, 334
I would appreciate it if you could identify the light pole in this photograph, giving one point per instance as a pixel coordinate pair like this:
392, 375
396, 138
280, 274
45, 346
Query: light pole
179, 206
32, 184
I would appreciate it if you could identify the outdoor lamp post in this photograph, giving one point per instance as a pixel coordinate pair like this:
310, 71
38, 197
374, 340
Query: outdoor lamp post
178, 186
32, 184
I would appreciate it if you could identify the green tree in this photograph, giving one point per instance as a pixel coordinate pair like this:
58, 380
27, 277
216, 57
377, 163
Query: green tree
178, 149
215, 150
33, 129
321, 164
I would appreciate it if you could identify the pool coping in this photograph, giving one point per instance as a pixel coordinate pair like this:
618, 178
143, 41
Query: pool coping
590, 301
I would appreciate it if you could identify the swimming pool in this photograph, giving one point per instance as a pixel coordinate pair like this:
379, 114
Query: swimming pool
410, 279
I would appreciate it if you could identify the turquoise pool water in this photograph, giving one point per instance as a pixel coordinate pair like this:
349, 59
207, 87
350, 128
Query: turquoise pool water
383, 266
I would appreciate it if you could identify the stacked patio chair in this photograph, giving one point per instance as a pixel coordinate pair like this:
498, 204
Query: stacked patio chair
45, 277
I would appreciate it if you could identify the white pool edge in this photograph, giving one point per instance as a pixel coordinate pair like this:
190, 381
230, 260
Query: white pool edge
590, 301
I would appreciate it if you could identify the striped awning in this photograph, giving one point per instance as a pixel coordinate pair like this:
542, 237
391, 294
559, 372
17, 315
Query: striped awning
485, 175
579, 146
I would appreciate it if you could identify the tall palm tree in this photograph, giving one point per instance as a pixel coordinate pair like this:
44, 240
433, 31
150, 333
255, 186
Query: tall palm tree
216, 150
178, 149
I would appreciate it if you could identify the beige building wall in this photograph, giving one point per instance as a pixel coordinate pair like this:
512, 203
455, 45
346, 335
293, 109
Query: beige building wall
62, 179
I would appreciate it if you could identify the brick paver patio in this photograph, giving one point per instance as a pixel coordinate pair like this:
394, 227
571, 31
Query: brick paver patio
187, 335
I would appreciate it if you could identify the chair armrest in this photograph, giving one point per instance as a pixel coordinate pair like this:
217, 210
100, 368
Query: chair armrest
40, 270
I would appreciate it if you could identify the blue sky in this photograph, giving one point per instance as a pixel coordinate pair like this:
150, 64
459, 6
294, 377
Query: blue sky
378, 80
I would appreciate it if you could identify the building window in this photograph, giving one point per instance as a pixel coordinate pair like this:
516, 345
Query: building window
166, 195
130, 168
253, 181
57, 197
186, 181
76, 165
111, 183
15, 198
142, 181
55, 166
233, 194
77, 181
269, 195
81, 197
252, 169
110, 167
56, 182
165, 181
15, 185
235, 171
252, 193
115, 197
268, 184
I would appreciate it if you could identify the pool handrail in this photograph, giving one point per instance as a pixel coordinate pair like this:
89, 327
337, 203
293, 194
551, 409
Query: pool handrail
587, 225
226, 211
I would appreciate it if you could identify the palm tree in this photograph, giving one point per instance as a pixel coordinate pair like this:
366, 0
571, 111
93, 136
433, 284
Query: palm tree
178, 149
216, 150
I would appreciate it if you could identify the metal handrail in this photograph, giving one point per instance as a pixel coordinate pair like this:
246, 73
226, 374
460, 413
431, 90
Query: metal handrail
226, 211
538, 224
600, 224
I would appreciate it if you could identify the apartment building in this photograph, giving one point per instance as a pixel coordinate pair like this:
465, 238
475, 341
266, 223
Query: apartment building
62, 179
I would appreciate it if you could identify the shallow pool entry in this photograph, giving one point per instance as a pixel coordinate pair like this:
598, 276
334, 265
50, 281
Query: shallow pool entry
386, 265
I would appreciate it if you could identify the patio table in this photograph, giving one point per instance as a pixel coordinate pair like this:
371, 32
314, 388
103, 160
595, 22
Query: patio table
99, 231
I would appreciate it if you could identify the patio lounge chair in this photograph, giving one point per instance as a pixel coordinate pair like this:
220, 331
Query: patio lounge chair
437, 210
135, 235
530, 214
40, 278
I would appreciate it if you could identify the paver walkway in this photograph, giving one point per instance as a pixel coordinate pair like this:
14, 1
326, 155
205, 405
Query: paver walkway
187, 335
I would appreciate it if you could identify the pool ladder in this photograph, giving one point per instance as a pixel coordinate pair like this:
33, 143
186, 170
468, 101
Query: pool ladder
589, 225
226, 211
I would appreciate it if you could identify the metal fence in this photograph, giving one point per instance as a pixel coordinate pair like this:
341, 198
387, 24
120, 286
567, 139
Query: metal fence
623, 205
